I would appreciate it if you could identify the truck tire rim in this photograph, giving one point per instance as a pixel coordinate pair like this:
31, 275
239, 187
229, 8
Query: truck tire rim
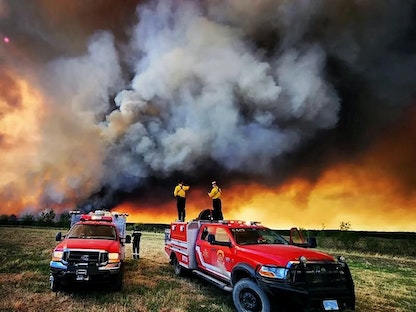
250, 301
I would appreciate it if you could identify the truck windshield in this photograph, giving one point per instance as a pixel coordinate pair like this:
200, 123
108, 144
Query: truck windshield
251, 236
92, 231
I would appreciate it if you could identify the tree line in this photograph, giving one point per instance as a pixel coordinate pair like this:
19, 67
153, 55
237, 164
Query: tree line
48, 218
45, 218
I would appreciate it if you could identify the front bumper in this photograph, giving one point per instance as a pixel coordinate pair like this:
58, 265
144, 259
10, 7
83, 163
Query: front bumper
84, 271
307, 298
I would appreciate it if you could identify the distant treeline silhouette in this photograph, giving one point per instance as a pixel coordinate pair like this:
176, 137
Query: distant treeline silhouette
375, 242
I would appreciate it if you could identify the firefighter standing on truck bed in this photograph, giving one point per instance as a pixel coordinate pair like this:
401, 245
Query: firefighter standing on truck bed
215, 194
180, 194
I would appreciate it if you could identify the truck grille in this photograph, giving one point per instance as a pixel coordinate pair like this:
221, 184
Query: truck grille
85, 256
319, 274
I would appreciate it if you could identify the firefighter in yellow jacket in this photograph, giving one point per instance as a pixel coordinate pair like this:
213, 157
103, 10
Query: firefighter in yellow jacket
180, 194
215, 194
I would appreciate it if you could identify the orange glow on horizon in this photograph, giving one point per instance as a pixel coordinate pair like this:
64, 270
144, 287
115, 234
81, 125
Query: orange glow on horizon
343, 194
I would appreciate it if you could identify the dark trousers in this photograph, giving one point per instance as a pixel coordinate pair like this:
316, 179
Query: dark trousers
180, 204
136, 249
217, 213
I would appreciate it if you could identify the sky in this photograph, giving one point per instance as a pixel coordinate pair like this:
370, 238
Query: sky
303, 111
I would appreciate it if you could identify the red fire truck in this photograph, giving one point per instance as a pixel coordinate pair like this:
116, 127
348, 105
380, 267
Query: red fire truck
263, 270
92, 250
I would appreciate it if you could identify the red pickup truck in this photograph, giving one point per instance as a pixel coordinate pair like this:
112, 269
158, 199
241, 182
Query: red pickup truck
91, 251
263, 270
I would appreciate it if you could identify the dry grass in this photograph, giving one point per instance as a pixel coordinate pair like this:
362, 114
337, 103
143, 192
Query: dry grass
149, 283
383, 284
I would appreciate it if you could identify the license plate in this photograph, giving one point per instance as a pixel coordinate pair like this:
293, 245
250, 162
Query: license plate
330, 305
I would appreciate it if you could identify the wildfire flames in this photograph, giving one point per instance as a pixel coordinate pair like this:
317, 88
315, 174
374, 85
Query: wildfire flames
344, 193
303, 111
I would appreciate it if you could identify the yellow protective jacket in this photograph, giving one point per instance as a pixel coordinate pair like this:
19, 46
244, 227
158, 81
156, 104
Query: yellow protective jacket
215, 192
180, 190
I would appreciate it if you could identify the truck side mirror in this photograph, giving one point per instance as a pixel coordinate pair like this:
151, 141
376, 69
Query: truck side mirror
128, 239
58, 236
296, 237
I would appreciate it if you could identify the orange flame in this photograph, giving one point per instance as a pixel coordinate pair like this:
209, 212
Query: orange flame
343, 194
20, 133
44, 154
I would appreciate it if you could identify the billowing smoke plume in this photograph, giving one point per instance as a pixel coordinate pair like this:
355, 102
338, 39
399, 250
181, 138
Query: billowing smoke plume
202, 89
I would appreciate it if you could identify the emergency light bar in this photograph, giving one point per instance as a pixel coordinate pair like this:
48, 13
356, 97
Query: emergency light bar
85, 217
231, 222
239, 222
99, 214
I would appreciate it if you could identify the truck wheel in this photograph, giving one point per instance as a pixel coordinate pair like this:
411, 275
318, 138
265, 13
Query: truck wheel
248, 296
55, 283
117, 279
177, 268
118, 282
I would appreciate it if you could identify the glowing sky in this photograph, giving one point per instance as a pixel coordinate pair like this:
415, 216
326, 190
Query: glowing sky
303, 111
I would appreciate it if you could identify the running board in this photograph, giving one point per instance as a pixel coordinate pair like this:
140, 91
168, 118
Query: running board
213, 280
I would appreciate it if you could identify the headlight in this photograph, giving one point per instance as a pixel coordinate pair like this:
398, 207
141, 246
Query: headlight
113, 257
57, 255
273, 272
341, 259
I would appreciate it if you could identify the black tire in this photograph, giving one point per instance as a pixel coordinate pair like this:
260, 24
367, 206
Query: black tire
249, 297
118, 279
55, 283
177, 268
118, 282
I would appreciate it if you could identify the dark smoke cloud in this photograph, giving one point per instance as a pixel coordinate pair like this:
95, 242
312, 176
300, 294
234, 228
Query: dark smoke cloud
217, 89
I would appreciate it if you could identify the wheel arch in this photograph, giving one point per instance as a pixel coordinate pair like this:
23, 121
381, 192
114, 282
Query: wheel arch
242, 270
172, 255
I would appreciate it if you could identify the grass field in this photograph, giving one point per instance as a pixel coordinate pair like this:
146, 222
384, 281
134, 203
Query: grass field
382, 284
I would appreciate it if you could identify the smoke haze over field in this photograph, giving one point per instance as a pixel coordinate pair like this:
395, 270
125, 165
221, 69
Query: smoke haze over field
301, 106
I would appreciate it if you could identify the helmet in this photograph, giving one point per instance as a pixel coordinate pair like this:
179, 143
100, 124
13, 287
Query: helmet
214, 182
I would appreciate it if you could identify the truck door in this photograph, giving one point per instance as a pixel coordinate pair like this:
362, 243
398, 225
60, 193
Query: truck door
221, 253
204, 246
